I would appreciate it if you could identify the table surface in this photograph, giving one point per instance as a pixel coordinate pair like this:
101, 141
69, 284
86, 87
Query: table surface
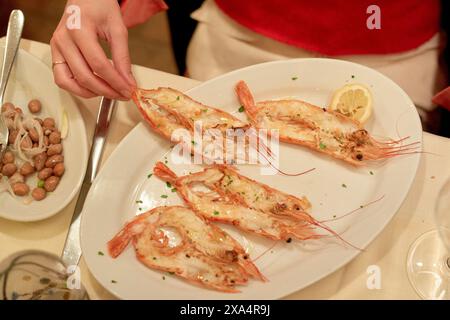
388, 251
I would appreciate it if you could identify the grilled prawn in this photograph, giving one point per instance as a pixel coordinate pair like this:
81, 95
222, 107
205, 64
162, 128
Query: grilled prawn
175, 239
167, 110
329, 132
219, 193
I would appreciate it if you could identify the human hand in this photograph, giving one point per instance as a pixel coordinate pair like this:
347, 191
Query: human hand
83, 67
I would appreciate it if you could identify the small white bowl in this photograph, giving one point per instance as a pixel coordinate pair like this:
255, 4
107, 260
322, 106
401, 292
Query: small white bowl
31, 79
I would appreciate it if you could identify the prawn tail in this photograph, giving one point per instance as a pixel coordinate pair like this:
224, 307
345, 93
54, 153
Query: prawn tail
120, 241
163, 172
245, 98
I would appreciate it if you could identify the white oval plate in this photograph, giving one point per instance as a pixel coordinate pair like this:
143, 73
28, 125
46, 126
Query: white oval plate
289, 267
31, 79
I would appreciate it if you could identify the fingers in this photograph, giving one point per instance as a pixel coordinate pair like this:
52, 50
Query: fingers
93, 54
82, 72
120, 53
64, 78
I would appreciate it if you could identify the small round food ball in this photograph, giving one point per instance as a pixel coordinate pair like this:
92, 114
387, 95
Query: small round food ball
12, 136
20, 189
53, 160
9, 169
8, 157
55, 137
39, 160
45, 173
33, 135
48, 123
26, 143
8, 106
38, 194
27, 169
51, 183
34, 106
59, 169
54, 149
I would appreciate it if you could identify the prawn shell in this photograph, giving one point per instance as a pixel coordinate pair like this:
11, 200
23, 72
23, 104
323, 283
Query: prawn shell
204, 247
297, 225
319, 129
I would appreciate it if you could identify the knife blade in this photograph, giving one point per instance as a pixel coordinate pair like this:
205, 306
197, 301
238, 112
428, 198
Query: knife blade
72, 247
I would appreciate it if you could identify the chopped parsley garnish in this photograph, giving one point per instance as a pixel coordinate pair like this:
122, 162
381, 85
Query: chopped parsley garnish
193, 142
241, 109
353, 76
149, 175
178, 98
168, 185
294, 78
216, 213
163, 277
371, 173
334, 216
100, 253
361, 206
154, 258
40, 183
139, 201
344, 185
230, 181
204, 110
164, 196
174, 190
113, 281
140, 209
322, 146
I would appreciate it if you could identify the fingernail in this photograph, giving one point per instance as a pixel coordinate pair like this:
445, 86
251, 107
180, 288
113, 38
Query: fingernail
126, 94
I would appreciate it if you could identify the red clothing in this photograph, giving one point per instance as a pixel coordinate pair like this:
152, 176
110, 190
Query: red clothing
443, 98
339, 27
135, 12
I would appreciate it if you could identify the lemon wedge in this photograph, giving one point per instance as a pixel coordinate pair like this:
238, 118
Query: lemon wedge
354, 101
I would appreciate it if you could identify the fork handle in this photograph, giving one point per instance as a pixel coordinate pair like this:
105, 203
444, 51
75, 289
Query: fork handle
13, 35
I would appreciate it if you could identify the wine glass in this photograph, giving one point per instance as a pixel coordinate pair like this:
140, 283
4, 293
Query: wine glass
428, 262
37, 275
